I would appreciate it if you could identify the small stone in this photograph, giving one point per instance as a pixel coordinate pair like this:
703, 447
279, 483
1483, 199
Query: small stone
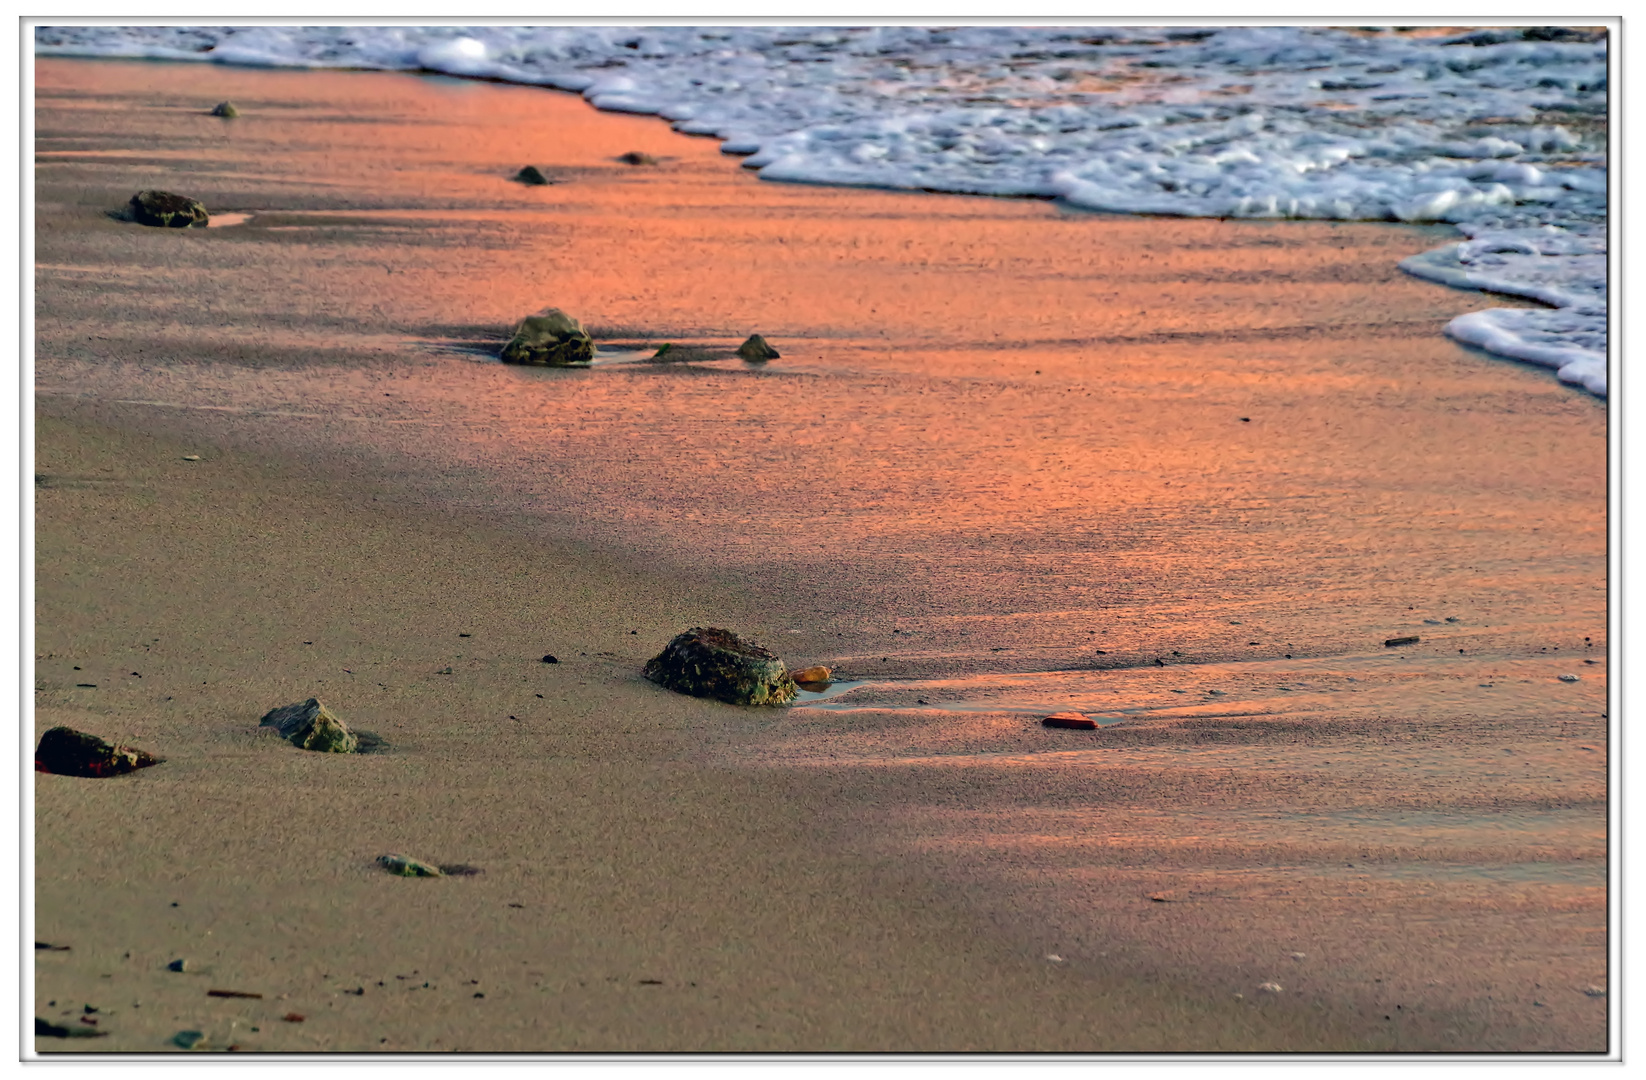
1070, 720
635, 157
167, 211
712, 663
405, 866
49, 1030
293, 1018
1568, 678
531, 175
552, 339
755, 350
1397, 641
310, 726
179, 965
188, 1040
226, 110
1054, 958
550, 658
1270, 987
1298, 955
191, 457
816, 674
1595, 991
67, 752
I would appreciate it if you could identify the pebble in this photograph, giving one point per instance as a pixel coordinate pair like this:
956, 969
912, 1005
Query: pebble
1395, 641
635, 157
191, 457
818, 673
179, 965
1270, 987
226, 110
1568, 678
1594, 991
550, 658
1070, 720
188, 1040
405, 866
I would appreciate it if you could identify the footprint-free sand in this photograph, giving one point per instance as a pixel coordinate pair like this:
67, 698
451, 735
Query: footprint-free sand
1186, 476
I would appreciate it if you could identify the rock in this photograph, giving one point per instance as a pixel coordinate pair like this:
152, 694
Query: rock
711, 663
1397, 641
550, 658
293, 1018
226, 110
1270, 987
405, 866
310, 726
553, 339
49, 1030
68, 752
166, 211
1568, 678
188, 1040
755, 350
1594, 991
635, 157
817, 674
531, 175
1070, 720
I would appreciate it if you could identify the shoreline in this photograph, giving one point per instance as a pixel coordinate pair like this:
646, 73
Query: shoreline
586, 537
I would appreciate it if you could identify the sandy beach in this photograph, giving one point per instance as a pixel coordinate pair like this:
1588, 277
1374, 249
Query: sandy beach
986, 476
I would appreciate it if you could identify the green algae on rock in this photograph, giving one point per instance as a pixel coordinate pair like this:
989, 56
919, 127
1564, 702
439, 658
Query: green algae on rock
309, 726
67, 752
712, 663
552, 339
165, 210
756, 350
406, 866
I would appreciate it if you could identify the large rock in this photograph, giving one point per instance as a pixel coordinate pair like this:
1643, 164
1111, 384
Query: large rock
553, 338
756, 350
167, 211
310, 726
68, 752
705, 662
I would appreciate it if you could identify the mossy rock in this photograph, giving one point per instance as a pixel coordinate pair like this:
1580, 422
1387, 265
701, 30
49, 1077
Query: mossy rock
711, 663
308, 725
68, 752
756, 350
226, 110
552, 339
406, 866
165, 210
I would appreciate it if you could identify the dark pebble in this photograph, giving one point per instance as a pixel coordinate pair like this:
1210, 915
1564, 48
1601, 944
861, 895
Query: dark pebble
550, 658
1396, 641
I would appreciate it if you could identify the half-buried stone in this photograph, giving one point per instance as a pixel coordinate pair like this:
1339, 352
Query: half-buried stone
164, 210
552, 339
756, 351
68, 752
711, 663
309, 726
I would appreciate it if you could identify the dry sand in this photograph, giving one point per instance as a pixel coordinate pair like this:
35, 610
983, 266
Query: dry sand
373, 486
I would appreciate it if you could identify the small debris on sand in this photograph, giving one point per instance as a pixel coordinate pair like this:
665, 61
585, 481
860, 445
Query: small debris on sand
1398, 641
635, 157
1270, 987
232, 994
1070, 720
51, 948
1568, 678
531, 175
293, 1018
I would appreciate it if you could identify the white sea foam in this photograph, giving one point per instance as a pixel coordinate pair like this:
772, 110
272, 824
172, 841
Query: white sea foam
1499, 131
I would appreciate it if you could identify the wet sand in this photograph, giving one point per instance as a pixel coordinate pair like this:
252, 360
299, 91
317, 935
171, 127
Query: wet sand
1002, 437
